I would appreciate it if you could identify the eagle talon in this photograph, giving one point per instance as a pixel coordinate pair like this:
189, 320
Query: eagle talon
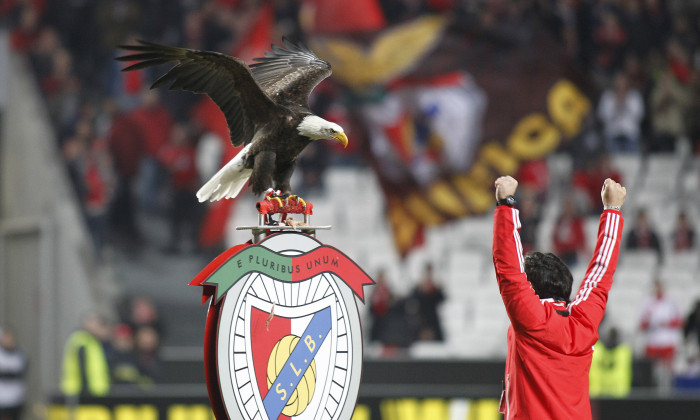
298, 199
277, 199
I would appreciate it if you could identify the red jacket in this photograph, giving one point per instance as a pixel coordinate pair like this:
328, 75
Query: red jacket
550, 344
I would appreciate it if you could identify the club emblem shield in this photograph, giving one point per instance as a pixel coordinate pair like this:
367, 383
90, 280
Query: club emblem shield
284, 340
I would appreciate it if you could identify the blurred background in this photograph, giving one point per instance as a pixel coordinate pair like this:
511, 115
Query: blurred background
100, 230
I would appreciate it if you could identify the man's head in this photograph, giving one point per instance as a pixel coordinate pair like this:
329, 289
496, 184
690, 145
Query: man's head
549, 276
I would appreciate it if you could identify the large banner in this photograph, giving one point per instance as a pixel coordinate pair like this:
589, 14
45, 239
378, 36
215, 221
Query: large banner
445, 114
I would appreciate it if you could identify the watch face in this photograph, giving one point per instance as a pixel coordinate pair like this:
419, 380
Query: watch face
289, 348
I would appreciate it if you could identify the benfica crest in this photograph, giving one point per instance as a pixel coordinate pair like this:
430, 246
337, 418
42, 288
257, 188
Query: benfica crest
283, 338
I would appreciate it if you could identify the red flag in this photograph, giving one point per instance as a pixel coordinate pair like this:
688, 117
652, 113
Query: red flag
259, 36
341, 17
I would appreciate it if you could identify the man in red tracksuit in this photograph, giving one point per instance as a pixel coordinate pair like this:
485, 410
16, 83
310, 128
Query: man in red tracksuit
550, 340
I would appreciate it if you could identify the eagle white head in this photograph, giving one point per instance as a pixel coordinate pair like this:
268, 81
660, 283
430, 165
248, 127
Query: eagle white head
316, 128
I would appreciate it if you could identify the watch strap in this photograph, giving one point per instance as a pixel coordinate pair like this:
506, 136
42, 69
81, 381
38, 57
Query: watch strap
507, 201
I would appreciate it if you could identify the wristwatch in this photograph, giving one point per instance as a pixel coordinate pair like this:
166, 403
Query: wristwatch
508, 201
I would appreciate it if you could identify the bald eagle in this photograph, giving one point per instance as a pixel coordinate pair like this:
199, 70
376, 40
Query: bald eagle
266, 107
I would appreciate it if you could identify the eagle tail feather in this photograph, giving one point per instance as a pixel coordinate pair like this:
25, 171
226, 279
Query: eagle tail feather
228, 181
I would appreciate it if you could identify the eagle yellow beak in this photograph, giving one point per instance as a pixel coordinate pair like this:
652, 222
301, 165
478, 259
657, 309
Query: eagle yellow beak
341, 137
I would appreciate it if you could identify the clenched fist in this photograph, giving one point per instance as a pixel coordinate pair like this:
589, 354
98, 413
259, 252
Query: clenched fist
613, 194
505, 186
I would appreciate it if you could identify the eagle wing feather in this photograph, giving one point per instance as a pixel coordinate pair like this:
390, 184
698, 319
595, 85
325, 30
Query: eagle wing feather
290, 73
227, 80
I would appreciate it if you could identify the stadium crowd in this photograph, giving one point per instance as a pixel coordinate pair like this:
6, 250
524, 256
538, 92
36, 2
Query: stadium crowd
130, 151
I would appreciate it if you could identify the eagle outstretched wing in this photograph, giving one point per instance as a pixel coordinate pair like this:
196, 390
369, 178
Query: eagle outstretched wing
227, 80
290, 74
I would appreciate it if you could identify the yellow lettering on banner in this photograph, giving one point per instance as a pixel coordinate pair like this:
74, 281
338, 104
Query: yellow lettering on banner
497, 157
445, 199
403, 225
484, 409
57, 412
190, 412
567, 106
310, 343
422, 210
533, 137
480, 173
435, 408
386, 409
132, 412
361, 412
407, 409
92, 412
414, 409
478, 194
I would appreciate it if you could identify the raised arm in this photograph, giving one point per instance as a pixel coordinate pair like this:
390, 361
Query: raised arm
592, 296
522, 304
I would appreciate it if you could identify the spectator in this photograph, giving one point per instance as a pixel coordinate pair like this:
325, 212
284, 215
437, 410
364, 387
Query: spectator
635, 27
91, 172
691, 333
13, 369
611, 368
668, 100
568, 235
530, 216
661, 323
692, 111
658, 22
679, 61
25, 34
144, 313
41, 55
683, 236
155, 122
610, 39
621, 109
85, 365
428, 295
642, 236
590, 179
127, 146
379, 304
178, 157
122, 360
62, 90
691, 327
587, 146
535, 177
148, 354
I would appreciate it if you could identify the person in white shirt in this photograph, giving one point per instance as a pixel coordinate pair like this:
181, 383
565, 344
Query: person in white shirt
661, 322
620, 110
13, 368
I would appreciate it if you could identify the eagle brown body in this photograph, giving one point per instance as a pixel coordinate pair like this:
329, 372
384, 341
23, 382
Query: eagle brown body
275, 167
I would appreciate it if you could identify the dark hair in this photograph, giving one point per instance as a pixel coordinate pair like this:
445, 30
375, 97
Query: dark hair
549, 276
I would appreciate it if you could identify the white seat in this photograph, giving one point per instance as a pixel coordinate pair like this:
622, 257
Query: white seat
628, 165
686, 260
631, 276
661, 173
637, 259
